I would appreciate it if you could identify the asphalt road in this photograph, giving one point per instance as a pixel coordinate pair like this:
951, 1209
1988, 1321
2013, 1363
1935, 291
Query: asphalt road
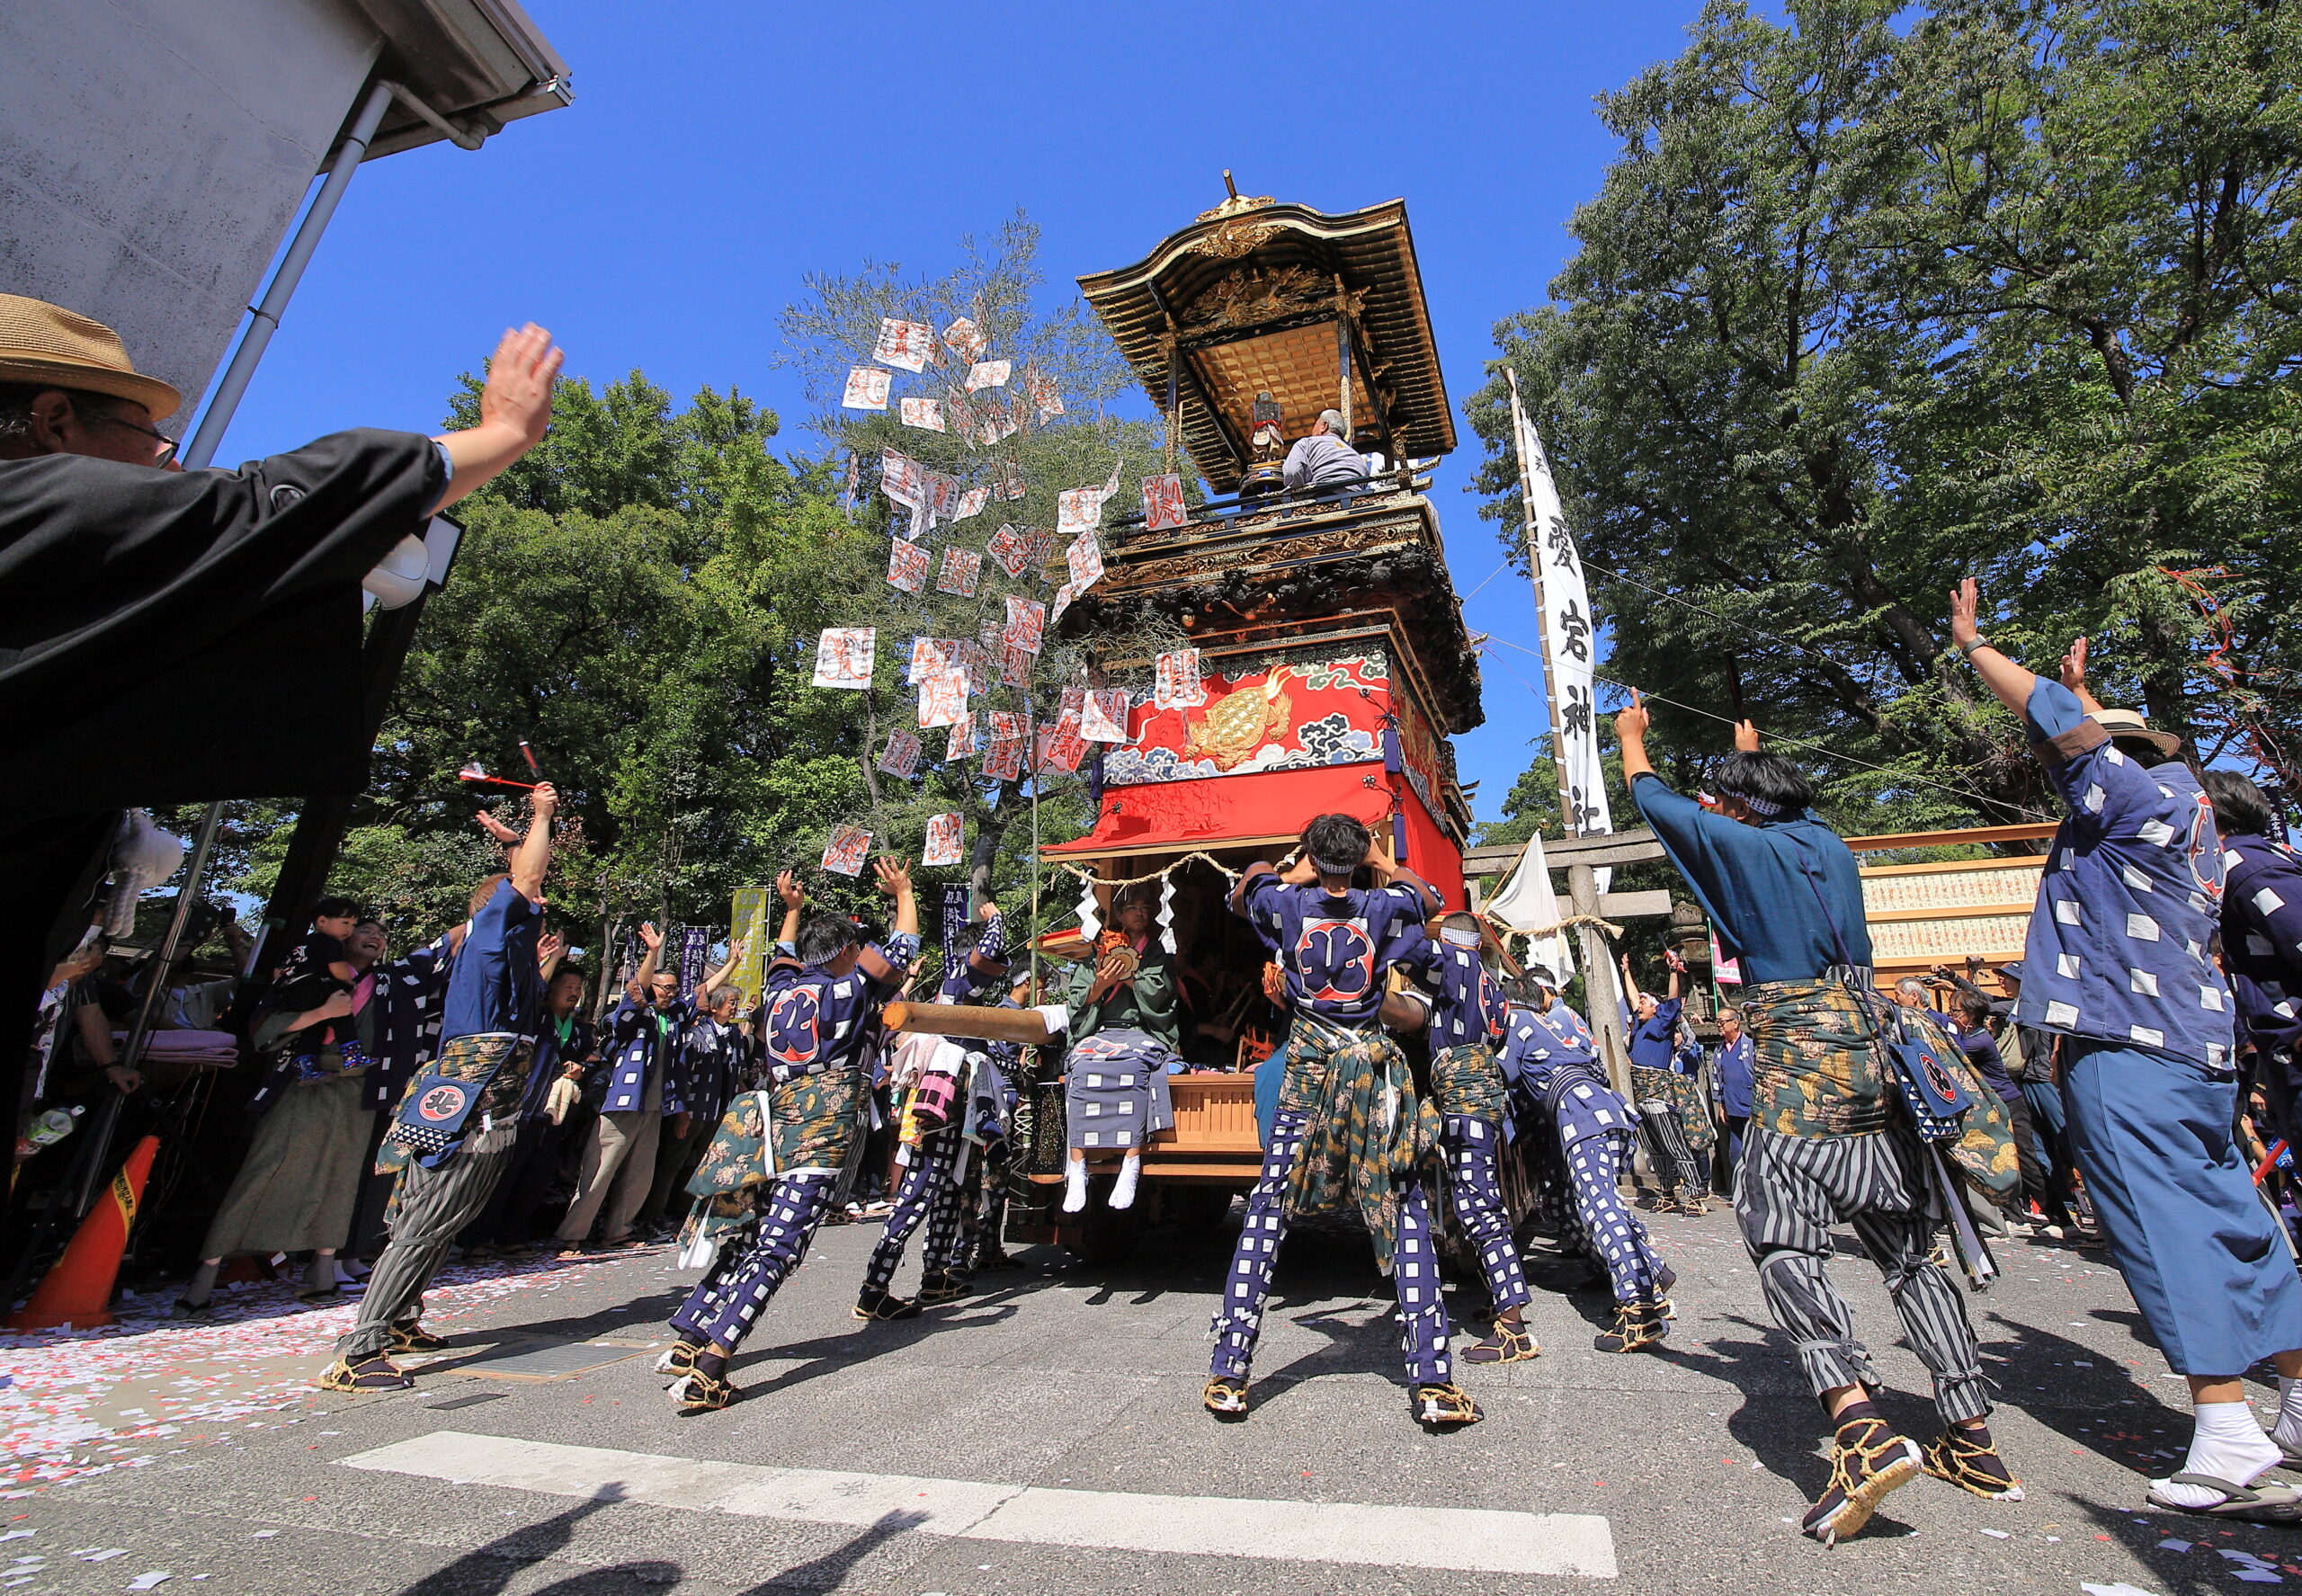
1033, 1439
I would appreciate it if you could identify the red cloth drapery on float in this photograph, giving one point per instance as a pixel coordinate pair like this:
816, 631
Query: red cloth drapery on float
1268, 806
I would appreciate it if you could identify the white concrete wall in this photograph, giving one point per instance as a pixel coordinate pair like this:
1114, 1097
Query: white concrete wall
154, 153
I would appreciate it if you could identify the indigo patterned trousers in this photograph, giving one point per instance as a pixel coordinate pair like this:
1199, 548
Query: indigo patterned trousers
1593, 1221
1415, 1269
721, 1310
1476, 1188
928, 1191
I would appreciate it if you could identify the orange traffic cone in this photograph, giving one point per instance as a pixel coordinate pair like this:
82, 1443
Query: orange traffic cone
77, 1291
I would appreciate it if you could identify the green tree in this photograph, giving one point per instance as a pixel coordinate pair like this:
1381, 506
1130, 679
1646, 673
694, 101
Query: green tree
1861, 308
996, 287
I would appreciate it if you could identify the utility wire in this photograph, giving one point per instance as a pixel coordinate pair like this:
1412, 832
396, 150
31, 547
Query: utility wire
1823, 749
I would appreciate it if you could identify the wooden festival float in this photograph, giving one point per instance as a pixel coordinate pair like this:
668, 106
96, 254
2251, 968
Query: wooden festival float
1332, 660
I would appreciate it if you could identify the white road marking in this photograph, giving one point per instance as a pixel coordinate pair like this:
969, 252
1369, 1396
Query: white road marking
1473, 1539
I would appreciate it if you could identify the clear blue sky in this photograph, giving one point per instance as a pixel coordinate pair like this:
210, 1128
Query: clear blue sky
717, 151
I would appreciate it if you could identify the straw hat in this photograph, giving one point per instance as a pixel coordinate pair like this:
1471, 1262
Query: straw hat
49, 344
2126, 723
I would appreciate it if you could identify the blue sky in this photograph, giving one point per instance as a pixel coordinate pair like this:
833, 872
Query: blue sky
717, 152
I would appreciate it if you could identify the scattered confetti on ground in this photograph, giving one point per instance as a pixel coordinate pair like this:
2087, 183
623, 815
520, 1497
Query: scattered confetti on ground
86, 1402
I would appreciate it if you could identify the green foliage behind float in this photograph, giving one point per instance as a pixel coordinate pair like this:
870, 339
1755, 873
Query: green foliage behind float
1876, 300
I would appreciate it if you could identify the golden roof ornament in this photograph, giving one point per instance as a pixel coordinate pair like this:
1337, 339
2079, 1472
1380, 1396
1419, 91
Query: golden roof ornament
1235, 237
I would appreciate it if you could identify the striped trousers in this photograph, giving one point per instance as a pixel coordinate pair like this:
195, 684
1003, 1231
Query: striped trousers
433, 1206
1789, 1191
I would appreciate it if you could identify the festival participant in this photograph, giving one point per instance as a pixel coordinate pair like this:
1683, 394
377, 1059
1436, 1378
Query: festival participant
1550, 1057
1828, 1141
457, 1125
934, 1077
1731, 1068
2117, 964
135, 598
1323, 457
1120, 1012
644, 1096
1351, 1125
2261, 935
1467, 1024
564, 1050
295, 1190
818, 1027
712, 1060
1670, 1105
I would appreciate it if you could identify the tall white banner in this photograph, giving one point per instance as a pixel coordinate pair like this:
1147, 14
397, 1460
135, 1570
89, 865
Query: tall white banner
1570, 642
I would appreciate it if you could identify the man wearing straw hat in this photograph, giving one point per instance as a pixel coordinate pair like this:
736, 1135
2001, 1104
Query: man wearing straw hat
139, 603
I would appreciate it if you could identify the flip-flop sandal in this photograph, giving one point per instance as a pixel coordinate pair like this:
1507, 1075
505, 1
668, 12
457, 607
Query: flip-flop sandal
2252, 1504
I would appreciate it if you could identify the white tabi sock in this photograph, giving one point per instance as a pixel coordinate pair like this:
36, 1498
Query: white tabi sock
2229, 1444
1123, 1193
2288, 1430
1074, 1185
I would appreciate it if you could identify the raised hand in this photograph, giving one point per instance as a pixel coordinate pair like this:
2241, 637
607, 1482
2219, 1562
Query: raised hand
548, 947
1631, 723
650, 936
495, 828
517, 395
1965, 600
2074, 666
544, 799
894, 874
1746, 737
787, 888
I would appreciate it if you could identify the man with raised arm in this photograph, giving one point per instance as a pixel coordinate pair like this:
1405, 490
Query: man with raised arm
460, 1118
1351, 1127
1828, 1144
772, 1168
2117, 964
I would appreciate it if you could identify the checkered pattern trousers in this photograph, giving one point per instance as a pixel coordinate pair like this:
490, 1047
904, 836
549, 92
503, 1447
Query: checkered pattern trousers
1595, 1222
722, 1308
1476, 1188
927, 1191
1415, 1269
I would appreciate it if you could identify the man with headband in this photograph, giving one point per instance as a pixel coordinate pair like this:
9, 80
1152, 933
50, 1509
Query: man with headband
1466, 1022
1351, 1128
1828, 1144
1550, 1061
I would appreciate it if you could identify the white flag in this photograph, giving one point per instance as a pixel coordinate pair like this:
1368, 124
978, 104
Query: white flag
1569, 636
1528, 903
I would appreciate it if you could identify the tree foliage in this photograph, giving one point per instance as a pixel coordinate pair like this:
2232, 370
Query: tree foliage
1870, 302
997, 287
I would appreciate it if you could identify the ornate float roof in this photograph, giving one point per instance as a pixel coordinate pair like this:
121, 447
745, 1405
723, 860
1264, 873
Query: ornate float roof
1248, 297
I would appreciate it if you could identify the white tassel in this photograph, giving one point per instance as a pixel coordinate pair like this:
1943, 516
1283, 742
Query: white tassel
1167, 912
1090, 919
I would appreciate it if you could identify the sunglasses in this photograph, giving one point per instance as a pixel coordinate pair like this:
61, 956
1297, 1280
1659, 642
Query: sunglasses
162, 455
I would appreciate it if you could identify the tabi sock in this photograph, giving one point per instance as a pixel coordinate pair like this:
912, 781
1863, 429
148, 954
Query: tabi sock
1074, 1185
2227, 1444
2288, 1430
1123, 1193
202, 1284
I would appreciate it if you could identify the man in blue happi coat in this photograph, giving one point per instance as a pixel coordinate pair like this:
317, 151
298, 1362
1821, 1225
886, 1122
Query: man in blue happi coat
2117, 964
